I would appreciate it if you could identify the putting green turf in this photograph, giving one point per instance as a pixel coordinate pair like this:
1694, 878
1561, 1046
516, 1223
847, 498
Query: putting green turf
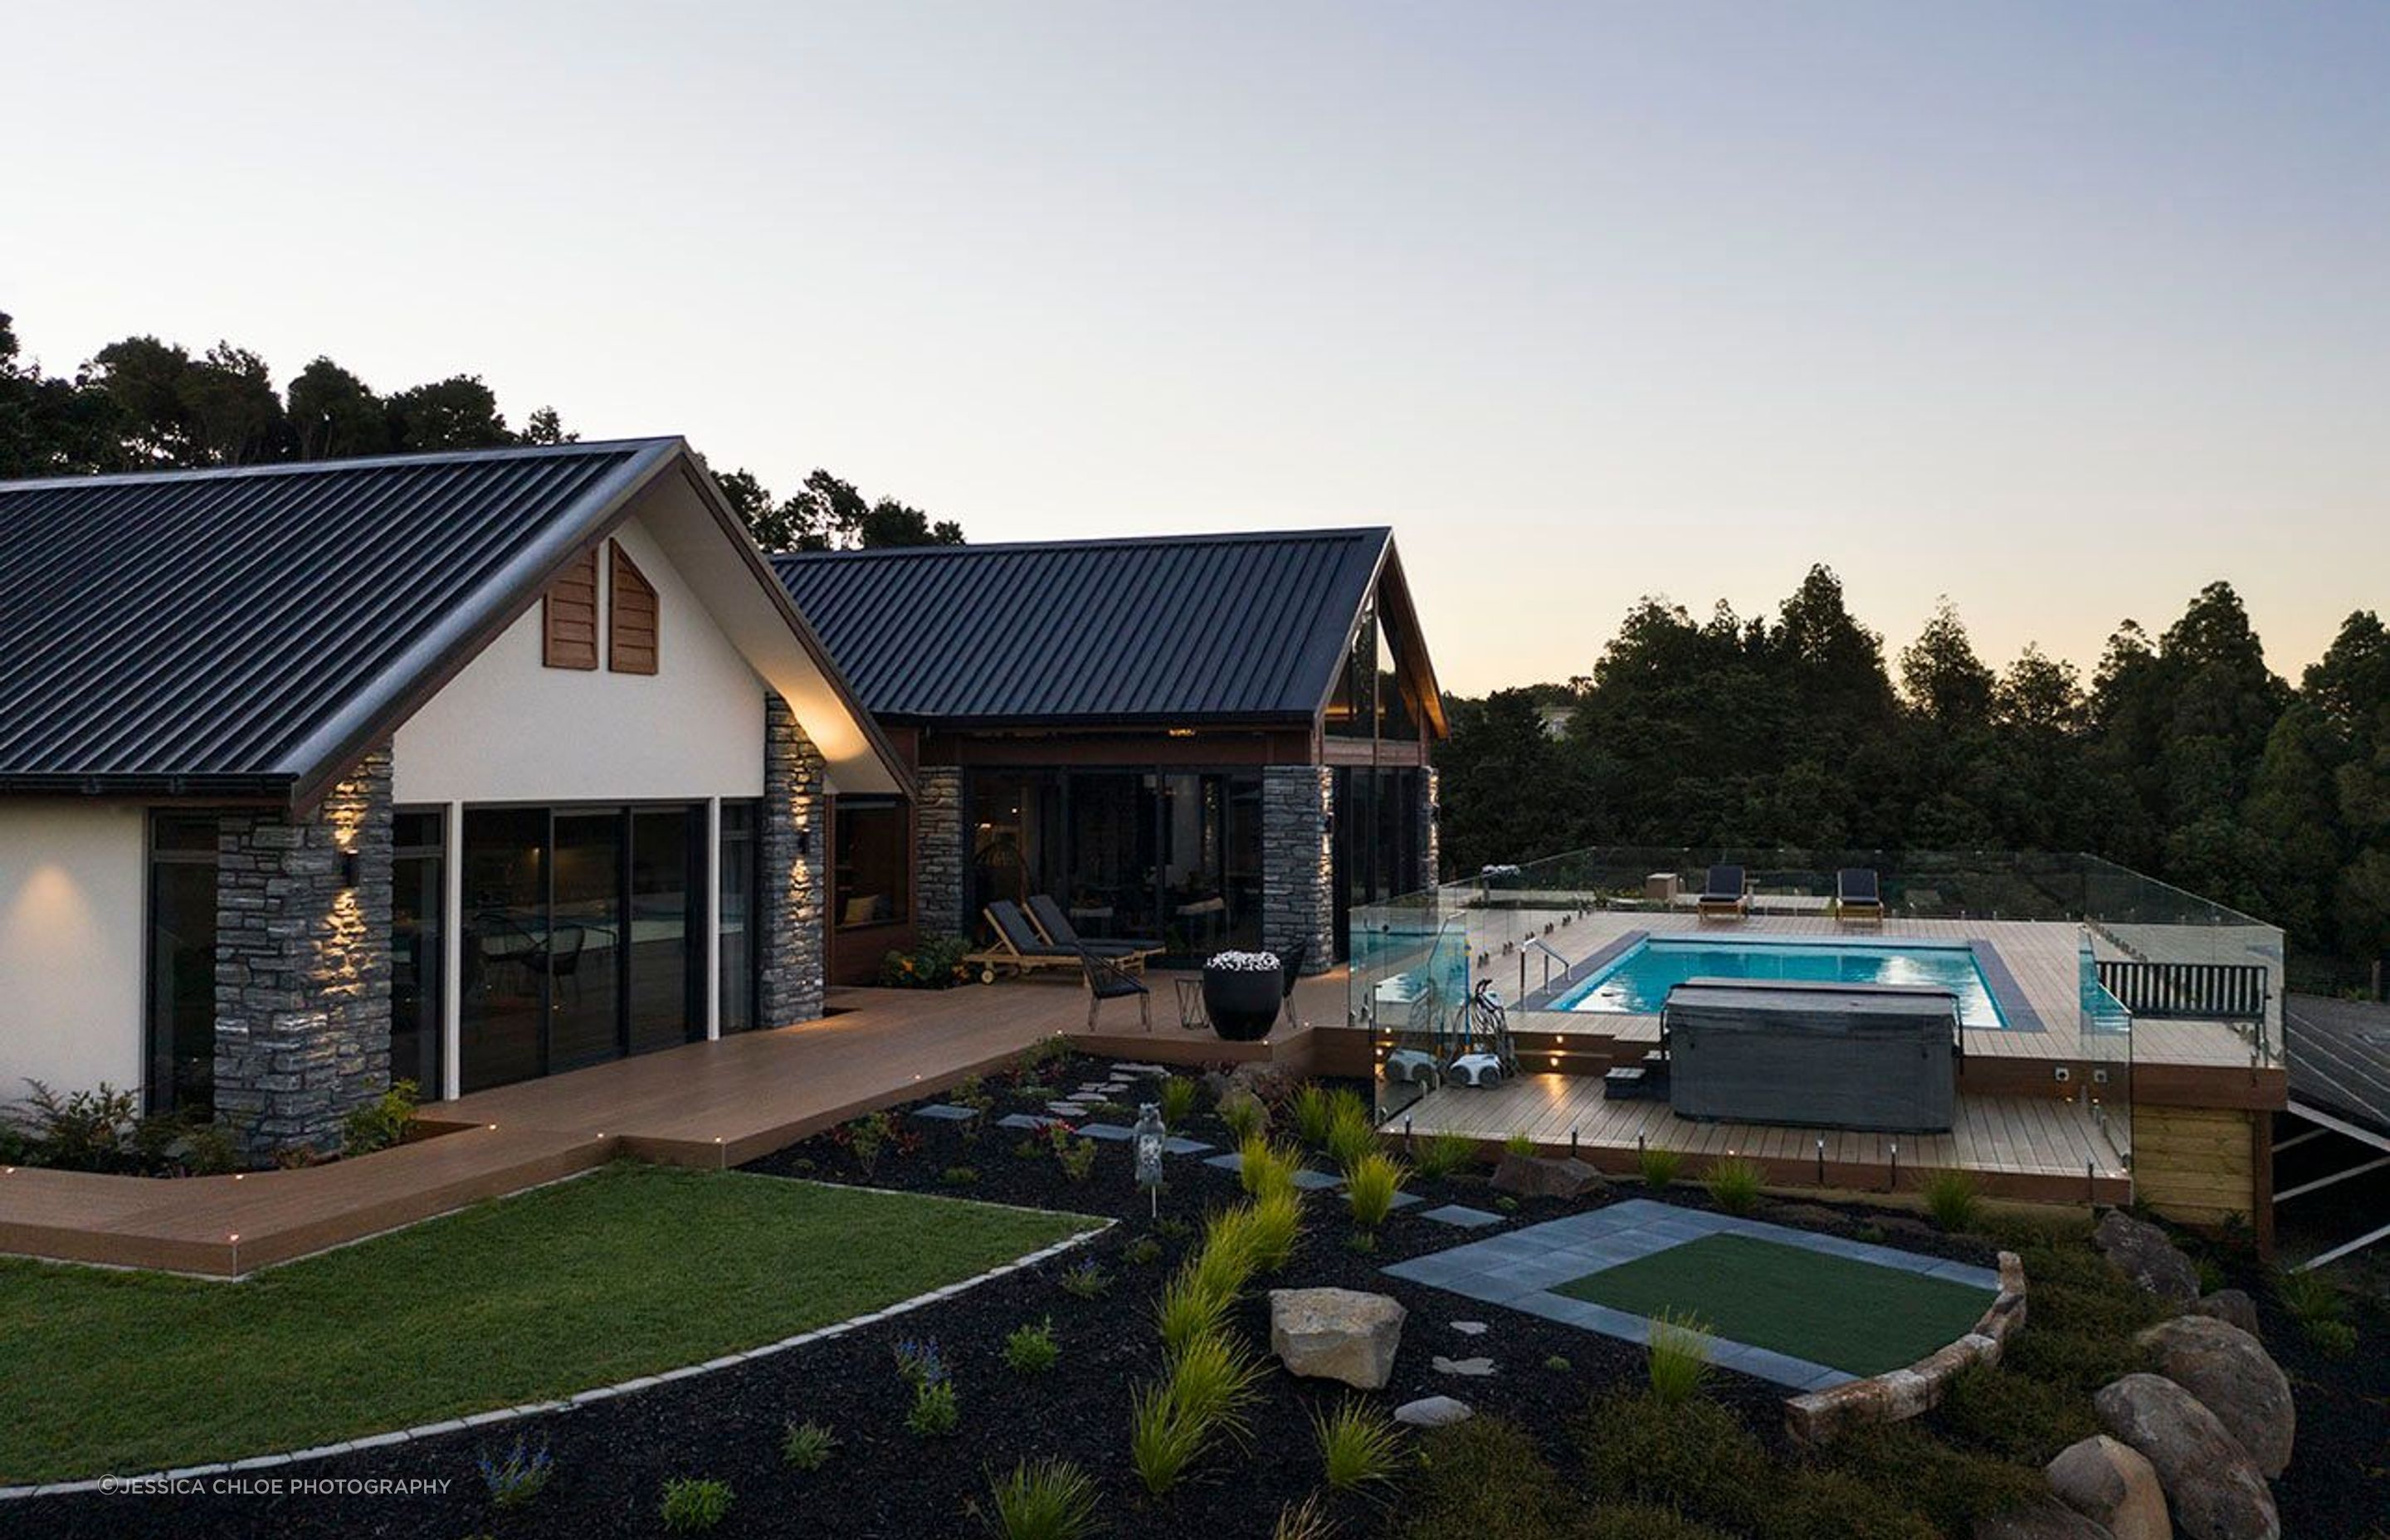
1852, 1315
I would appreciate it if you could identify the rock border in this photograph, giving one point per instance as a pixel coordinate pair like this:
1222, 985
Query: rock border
1895, 1396
540, 1408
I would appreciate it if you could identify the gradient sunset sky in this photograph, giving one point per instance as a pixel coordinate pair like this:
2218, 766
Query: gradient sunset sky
2060, 310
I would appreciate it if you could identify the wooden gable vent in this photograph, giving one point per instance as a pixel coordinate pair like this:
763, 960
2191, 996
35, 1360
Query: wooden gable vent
630, 617
569, 616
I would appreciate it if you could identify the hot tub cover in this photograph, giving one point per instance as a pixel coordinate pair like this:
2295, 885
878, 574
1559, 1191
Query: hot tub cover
1871, 1057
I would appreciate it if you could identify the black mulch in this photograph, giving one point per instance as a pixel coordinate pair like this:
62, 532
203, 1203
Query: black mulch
612, 1459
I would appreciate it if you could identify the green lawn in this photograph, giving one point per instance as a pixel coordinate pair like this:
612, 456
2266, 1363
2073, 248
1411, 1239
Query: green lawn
1852, 1315
626, 1272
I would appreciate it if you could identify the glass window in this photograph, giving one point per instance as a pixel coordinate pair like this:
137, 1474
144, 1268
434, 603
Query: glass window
666, 912
874, 862
741, 867
1353, 708
583, 943
1015, 840
1397, 721
417, 969
500, 1018
182, 957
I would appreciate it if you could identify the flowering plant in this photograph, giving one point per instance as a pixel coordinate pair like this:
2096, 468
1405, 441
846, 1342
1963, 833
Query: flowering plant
1245, 962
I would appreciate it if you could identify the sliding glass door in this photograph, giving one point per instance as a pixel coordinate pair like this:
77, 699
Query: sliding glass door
417, 966
582, 937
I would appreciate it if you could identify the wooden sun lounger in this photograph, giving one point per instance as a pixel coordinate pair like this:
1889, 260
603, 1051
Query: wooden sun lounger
1726, 896
1018, 947
1858, 897
1053, 924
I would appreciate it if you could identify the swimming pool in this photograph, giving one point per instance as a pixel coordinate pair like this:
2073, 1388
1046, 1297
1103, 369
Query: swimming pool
1636, 982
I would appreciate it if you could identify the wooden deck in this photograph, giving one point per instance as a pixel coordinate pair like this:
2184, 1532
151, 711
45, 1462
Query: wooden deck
706, 1104
2038, 1148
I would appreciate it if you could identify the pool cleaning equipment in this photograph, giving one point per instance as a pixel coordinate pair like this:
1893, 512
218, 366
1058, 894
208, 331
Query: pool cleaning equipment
1486, 1058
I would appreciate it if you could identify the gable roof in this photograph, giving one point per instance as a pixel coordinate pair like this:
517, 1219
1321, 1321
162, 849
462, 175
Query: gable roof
253, 632
1167, 631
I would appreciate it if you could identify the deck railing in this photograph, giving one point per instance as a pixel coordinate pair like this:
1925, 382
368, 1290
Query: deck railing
2184, 991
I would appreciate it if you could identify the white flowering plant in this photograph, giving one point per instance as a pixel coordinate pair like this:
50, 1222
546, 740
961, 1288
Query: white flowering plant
1245, 962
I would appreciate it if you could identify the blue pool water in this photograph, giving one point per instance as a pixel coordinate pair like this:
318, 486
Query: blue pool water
1636, 983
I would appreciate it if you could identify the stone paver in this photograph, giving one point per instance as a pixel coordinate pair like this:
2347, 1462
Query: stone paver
941, 1112
1461, 1216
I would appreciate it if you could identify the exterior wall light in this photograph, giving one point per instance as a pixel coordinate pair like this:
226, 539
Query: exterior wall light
351, 870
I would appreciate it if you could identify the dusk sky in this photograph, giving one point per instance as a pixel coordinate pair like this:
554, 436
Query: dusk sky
2060, 310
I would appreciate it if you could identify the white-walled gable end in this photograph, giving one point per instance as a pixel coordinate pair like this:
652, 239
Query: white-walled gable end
507, 728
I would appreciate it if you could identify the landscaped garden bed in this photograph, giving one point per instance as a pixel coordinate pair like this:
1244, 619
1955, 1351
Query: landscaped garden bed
905, 1426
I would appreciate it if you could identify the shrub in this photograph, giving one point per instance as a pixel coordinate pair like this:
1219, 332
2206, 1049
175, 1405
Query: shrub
1951, 1198
1484, 1479
971, 1092
1189, 1307
1303, 1521
1076, 1156
1142, 1252
959, 1177
1162, 1441
1311, 1110
1439, 1155
2333, 1339
83, 1130
1371, 1183
1243, 1114
1694, 1457
1050, 1500
1658, 1166
807, 1446
1085, 1280
1358, 1444
380, 1123
918, 1363
1506, 1204
1353, 1132
866, 1138
1679, 1357
1640, 1522
1179, 1095
1214, 1382
1519, 1144
1032, 1349
173, 1142
513, 1480
1831, 1504
694, 1504
1273, 1226
1734, 1184
1264, 1168
1228, 1259
1916, 1474
935, 963
935, 1411
2014, 1416
1361, 1242
2317, 1305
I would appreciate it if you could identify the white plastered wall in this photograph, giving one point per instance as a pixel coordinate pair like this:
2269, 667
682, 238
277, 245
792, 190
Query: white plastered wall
71, 881
510, 729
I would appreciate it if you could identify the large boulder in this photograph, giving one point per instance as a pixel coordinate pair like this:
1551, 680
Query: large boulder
2229, 1305
2146, 1257
1336, 1334
2229, 1372
2113, 1486
2210, 1483
2039, 1520
1535, 1176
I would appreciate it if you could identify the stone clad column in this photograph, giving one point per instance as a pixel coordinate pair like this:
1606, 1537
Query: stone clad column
303, 965
1298, 862
792, 850
1430, 841
941, 855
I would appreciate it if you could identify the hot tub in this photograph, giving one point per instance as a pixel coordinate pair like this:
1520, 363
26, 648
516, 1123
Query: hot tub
1875, 1057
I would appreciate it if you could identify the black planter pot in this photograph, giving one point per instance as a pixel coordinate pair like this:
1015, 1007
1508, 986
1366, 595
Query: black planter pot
1242, 1002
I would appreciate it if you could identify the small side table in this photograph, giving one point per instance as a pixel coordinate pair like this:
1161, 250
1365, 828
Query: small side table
1191, 1015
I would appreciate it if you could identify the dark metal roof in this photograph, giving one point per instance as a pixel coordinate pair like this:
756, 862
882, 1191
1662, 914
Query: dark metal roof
237, 631
1204, 628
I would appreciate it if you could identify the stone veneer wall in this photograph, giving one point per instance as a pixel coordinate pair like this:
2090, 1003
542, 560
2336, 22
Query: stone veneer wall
1298, 862
793, 883
940, 867
1430, 843
303, 965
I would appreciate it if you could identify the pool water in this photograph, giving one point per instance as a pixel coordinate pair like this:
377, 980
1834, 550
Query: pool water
1638, 982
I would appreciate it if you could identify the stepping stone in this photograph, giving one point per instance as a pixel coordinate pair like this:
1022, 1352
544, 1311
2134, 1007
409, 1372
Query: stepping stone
1470, 1328
940, 1113
1432, 1411
1230, 1162
1317, 1181
1140, 1068
1022, 1120
1067, 1109
1461, 1216
1474, 1369
1177, 1145
1108, 1132
1405, 1199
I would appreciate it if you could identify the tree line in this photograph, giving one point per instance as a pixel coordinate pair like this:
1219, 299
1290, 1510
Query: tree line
141, 403
2184, 756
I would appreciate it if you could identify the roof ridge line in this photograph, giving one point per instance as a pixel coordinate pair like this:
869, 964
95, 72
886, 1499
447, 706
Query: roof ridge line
359, 462
1323, 532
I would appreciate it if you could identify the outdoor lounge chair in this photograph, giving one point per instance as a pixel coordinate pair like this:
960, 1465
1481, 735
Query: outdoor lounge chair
1017, 945
1725, 896
1055, 924
1858, 896
1107, 980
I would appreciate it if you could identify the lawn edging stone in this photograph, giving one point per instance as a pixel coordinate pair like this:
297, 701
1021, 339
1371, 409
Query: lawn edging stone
1820, 1417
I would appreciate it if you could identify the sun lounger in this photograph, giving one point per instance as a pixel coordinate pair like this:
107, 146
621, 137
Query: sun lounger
1055, 925
1725, 896
1858, 897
